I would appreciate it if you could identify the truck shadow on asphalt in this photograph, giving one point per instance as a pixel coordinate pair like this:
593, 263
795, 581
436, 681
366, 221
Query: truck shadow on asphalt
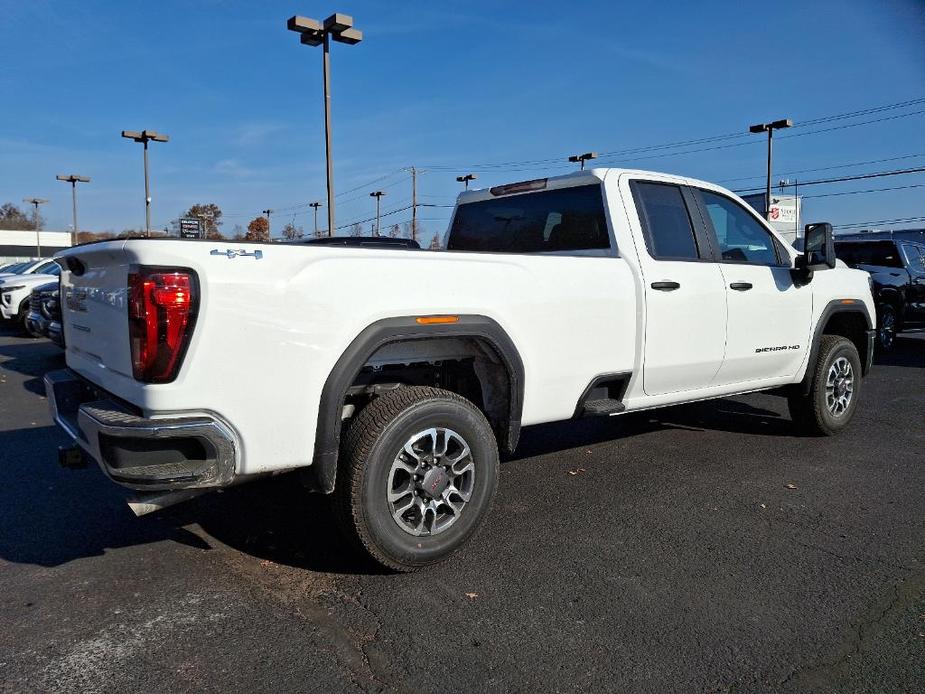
30, 357
50, 516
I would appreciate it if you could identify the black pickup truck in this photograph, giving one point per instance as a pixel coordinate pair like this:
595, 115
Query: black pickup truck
897, 268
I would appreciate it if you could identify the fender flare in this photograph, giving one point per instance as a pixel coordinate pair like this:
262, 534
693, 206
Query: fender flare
382, 332
831, 308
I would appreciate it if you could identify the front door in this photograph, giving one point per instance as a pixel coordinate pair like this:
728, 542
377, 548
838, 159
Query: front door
769, 322
685, 296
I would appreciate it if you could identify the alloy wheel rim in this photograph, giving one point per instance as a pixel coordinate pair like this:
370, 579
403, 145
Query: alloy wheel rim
430, 481
839, 387
887, 330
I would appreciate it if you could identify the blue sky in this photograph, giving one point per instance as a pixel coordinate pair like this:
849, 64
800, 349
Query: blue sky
446, 87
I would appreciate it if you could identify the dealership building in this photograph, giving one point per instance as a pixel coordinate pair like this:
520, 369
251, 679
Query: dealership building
24, 245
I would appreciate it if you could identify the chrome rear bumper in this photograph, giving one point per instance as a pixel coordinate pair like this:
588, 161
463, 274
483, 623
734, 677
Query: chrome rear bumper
183, 452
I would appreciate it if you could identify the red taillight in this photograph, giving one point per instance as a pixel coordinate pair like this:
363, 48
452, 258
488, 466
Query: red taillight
162, 307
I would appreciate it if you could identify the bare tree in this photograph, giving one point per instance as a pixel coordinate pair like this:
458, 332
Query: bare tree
394, 231
356, 230
291, 231
14, 219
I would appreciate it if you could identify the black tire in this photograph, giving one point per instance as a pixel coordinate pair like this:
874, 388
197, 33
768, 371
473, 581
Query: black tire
365, 475
887, 327
21, 319
813, 413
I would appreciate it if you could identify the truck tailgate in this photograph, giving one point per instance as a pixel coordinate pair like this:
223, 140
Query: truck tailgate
94, 292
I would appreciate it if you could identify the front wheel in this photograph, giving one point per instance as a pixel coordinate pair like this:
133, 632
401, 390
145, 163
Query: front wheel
419, 469
835, 385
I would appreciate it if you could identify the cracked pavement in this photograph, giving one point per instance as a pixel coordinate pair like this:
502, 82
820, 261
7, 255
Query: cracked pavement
699, 548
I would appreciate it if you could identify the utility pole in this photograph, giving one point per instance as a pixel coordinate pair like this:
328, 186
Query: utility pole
313, 33
769, 128
465, 179
74, 179
378, 195
267, 213
144, 137
582, 158
35, 202
315, 205
414, 203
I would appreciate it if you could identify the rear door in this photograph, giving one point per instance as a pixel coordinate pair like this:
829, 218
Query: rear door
769, 315
685, 327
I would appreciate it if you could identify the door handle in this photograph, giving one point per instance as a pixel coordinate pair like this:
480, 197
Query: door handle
666, 286
741, 286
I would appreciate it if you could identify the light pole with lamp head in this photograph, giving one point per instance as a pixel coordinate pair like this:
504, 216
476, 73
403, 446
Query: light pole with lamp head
35, 202
313, 33
74, 179
315, 205
582, 158
378, 195
769, 128
144, 137
465, 179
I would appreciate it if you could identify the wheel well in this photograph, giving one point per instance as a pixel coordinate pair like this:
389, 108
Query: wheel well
468, 366
851, 325
471, 355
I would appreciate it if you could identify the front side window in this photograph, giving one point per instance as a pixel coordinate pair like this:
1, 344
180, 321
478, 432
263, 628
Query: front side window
565, 219
669, 233
741, 238
915, 255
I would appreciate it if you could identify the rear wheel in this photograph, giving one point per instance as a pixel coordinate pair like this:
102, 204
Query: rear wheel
886, 327
419, 469
835, 384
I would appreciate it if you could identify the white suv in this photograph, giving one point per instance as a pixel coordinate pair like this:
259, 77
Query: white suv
15, 290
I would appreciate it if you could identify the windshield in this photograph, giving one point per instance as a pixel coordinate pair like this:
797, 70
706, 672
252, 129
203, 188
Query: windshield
49, 268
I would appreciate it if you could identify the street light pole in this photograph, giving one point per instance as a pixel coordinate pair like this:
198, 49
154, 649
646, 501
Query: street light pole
267, 213
35, 202
769, 128
315, 206
144, 137
378, 195
338, 27
74, 179
582, 158
465, 179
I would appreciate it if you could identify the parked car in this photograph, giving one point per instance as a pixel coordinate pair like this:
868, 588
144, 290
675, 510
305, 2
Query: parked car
897, 269
22, 268
39, 318
16, 289
390, 377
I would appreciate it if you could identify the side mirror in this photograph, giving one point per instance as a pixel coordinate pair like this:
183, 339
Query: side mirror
818, 252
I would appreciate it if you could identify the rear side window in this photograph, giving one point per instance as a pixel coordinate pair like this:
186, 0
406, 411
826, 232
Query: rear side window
669, 233
880, 253
567, 219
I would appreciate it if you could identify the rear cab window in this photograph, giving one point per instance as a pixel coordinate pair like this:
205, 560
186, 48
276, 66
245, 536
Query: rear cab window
563, 220
666, 221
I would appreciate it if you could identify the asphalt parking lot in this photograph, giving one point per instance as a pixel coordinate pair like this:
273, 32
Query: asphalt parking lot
704, 548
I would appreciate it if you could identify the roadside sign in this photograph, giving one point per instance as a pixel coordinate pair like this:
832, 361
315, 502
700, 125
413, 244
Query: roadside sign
190, 228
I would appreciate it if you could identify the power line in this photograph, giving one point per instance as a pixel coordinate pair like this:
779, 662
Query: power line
822, 181
879, 222
860, 192
826, 168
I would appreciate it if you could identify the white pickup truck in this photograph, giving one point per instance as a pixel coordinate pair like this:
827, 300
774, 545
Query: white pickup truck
391, 377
